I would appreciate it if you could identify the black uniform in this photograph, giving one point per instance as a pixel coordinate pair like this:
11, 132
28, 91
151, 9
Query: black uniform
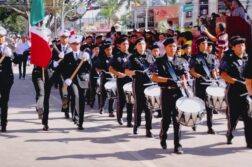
102, 63
54, 76
170, 92
93, 82
6, 82
237, 104
116, 62
139, 64
204, 63
79, 84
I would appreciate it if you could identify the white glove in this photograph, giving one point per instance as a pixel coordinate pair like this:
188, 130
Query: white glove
7, 52
203, 28
68, 82
61, 55
55, 64
85, 56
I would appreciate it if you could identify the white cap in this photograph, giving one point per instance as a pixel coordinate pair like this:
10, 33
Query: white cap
75, 39
65, 33
3, 31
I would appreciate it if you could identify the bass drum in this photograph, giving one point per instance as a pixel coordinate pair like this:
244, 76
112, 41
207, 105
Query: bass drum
152, 94
191, 111
111, 90
127, 88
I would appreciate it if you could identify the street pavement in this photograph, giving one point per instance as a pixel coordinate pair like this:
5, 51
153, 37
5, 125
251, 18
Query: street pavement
105, 143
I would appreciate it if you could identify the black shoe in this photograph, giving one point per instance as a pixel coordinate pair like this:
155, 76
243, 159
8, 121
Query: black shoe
249, 146
3, 129
163, 144
215, 112
149, 134
101, 111
134, 130
129, 124
111, 114
211, 131
194, 128
45, 128
92, 105
120, 121
80, 127
66, 115
178, 150
229, 138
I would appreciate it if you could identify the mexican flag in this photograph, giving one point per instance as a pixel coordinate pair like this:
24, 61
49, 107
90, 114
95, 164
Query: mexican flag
40, 49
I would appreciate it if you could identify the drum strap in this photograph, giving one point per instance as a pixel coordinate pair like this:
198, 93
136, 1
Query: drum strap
171, 71
205, 67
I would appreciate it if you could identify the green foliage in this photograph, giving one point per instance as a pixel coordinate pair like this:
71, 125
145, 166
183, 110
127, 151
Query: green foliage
12, 21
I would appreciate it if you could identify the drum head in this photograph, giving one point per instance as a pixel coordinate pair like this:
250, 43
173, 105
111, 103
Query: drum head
152, 91
127, 87
190, 105
215, 91
110, 85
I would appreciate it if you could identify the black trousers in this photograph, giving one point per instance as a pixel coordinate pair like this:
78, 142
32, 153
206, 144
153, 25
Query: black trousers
200, 92
39, 88
238, 106
22, 65
93, 87
4, 99
140, 105
78, 100
48, 86
169, 113
121, 100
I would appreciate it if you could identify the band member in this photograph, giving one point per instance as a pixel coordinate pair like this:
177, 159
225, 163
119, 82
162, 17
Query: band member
166, 71
116, 68
6, 78
231, 69
76, 83
151, 58
248, 76
137, 67
102, 66
93, 75
203, 68
187, 52
54, 75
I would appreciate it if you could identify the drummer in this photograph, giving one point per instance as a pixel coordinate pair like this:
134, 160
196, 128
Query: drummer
101, 64
203, 67
137, 67
166, 70
116, 68
231, 69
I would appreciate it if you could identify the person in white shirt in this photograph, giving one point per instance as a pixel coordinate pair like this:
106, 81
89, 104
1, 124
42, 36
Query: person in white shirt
22, 60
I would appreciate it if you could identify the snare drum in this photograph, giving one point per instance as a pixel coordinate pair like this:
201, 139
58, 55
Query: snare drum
191, 110
152, 94
216, 98
110, 87
250, 106
127, 88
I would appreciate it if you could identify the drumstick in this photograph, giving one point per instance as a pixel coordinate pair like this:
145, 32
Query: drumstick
72, 76
2, 59
244, 94
148, 84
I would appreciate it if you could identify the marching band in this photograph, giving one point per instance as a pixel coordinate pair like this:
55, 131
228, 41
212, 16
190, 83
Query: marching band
142, 79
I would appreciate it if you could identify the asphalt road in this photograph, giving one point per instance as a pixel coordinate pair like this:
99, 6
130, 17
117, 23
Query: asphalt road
105, 143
